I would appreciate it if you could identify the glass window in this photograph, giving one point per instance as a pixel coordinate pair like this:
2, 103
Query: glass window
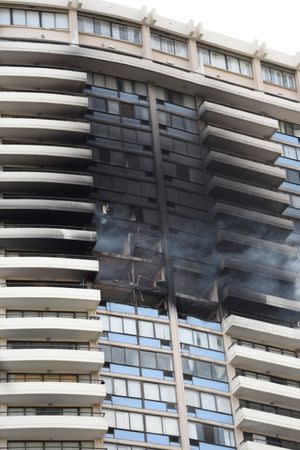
162, 331
186, 335
122, 419
224, 61
136, 421
278, 76
169, 45
146, 329
218, 60
120, 386
208, 401
134, 389
61, 20
132, 357
223, 404
116, 324
170, 426
192, 398
233, 64
19, 17
5, 16
148, 360
245, 67
167, 393
153, 424
205, 56
48, 20
151, 391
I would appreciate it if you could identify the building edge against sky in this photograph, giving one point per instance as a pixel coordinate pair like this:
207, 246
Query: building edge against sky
157, 163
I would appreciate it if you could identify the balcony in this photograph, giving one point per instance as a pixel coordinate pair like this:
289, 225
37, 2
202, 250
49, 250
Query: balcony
45, 104
229, 190
31, 130
266, 392
249, 445
261, 361
44, 155
46, 268
259, 422
44, 297
39, 181
262, 332
75, 428
43, 238
232, 291
221, 209
55, 328
239, 242
237, 120
245, 170
38, 78
58, 393
241, 145
55, 360
52, 210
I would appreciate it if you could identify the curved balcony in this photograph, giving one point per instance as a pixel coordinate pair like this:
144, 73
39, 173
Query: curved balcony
32, 103
240, 144
46, 427
39, 78
265, 423
237, 120
249, 445
25, 129
43, 238
244, 170
267, 392
230, 190
261, 332
38, 267
47, 209
58, 328
41, 297
261, 361
28, 359
39, 181
44, 155
59, 393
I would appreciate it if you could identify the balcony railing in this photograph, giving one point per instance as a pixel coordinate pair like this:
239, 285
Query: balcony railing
51, 314
22, 253
48, 284
39, 225
48, 378
50, 412
48, 346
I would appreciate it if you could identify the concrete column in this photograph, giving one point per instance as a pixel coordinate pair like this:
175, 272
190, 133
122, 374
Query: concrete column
257, 74
146, 39
73, 27
161, 196
193, 56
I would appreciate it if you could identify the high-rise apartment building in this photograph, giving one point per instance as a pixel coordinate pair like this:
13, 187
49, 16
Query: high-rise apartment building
157, 164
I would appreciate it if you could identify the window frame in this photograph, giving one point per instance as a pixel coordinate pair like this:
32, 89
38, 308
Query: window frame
226, 57
272, 73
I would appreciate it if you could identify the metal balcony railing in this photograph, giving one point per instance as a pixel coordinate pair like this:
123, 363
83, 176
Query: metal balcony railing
50, 314
48, 346
82, 285
51, 412
48, 378
23, 253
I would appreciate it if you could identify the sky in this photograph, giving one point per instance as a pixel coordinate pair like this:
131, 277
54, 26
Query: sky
277, 22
